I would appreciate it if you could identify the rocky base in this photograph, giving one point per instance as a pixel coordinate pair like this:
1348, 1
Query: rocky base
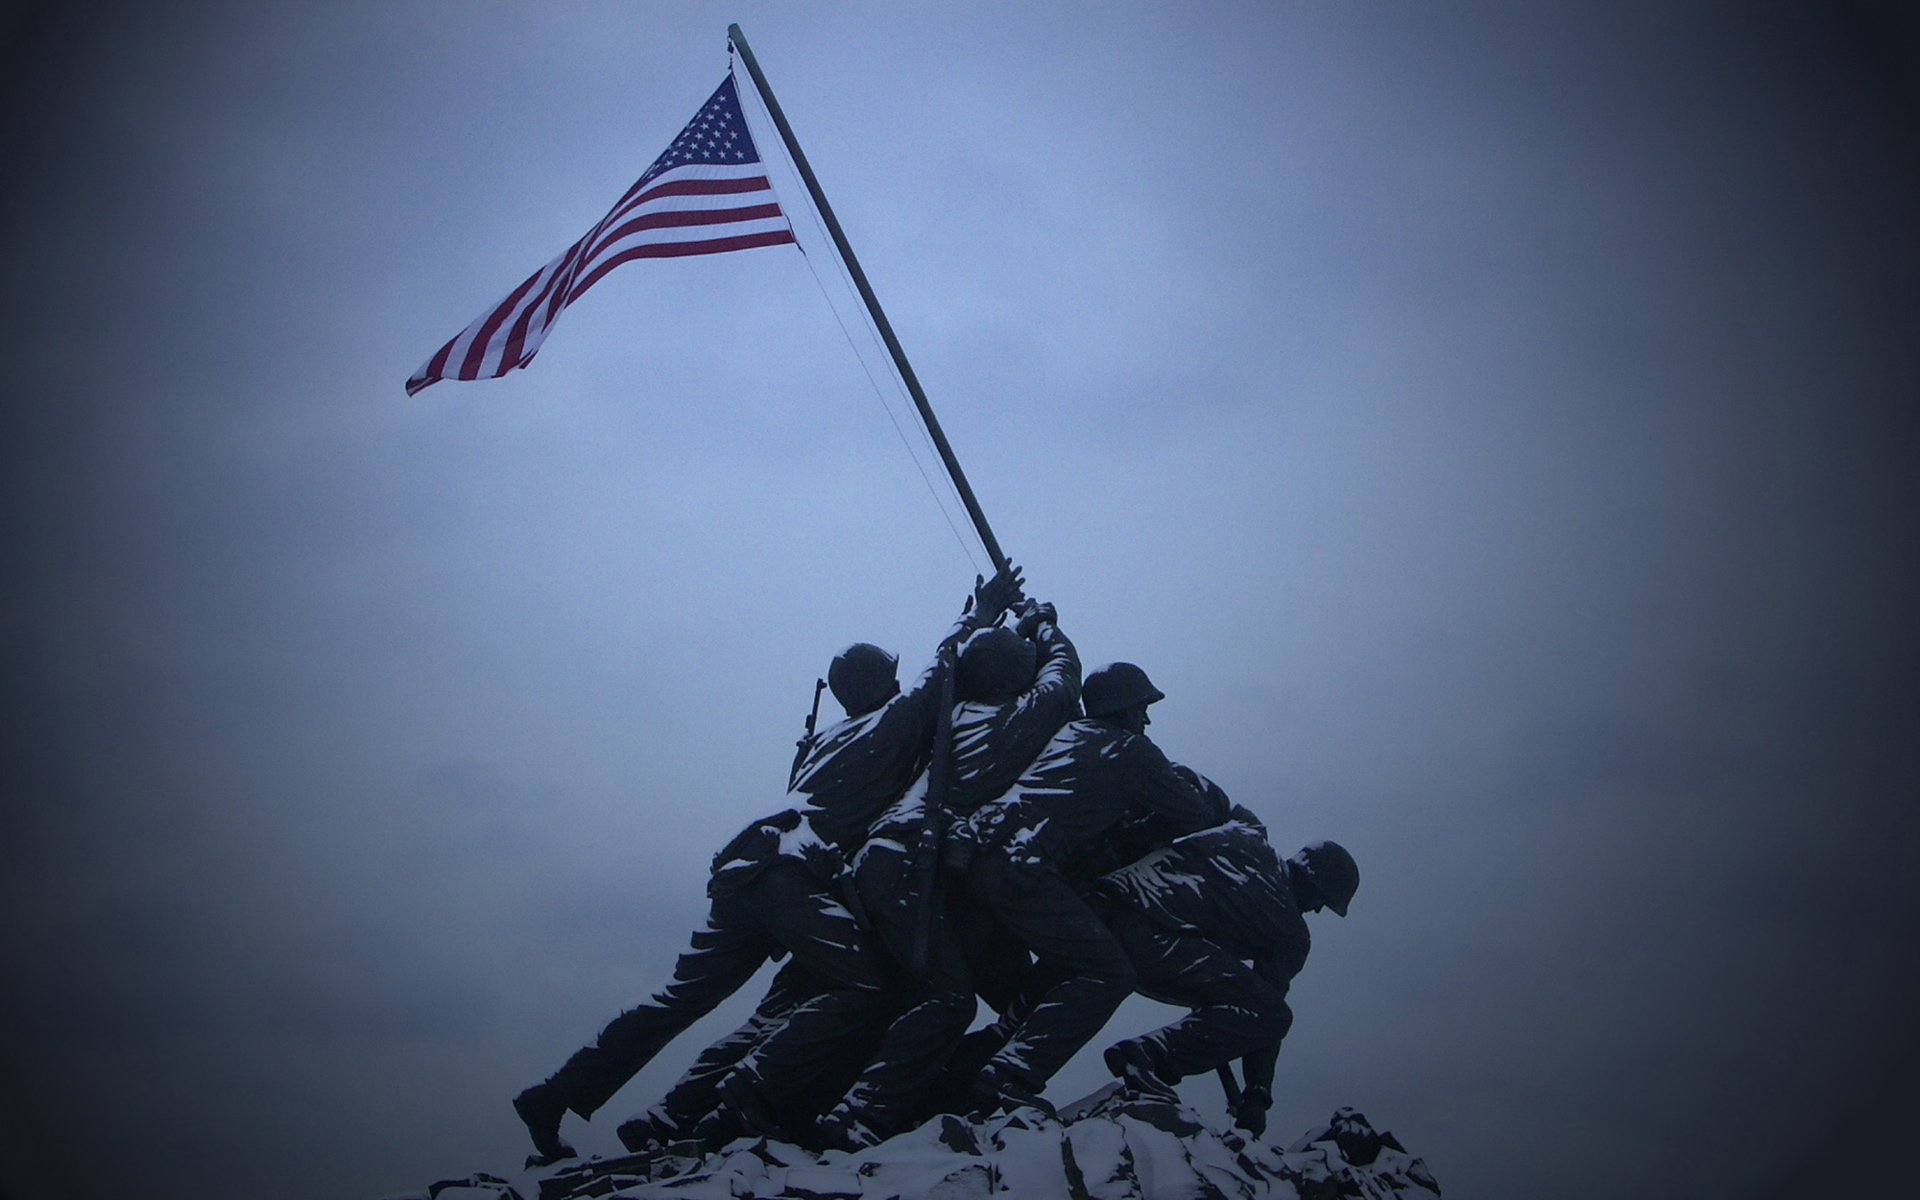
1114, 1146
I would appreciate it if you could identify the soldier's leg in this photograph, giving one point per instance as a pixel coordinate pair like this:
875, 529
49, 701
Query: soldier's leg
1006, 977
1233, 1013
721, 958
695, 1097
815, 1038
1070, 942
1002, 968
888, 1095
832, 1083
954, 1090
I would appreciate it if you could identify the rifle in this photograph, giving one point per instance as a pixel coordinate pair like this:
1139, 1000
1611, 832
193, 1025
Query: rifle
805, 744
1229, 1085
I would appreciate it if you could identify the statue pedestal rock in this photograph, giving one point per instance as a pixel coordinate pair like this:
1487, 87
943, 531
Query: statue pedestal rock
1116, 1145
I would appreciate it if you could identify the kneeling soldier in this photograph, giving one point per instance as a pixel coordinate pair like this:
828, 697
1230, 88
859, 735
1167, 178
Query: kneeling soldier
1190, 916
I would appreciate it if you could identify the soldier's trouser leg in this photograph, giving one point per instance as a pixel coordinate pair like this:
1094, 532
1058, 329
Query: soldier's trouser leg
1072, 943
1002, 969
723, 956
695, 1094
1004, 976
852, 981
940, 1005
1234, 1011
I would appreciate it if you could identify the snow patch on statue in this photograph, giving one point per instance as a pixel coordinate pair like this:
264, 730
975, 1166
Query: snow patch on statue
1116, 1145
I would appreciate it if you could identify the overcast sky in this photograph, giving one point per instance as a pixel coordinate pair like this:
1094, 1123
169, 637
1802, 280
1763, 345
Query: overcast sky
1492, 428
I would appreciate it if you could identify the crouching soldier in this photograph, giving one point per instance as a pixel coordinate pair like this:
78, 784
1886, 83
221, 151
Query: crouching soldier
1191, 917
771, 893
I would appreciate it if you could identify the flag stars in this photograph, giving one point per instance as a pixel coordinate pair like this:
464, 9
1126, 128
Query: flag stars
717, 134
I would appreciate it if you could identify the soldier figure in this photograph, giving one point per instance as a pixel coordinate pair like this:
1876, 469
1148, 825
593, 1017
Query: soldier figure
1015, 688
1022, 855
771, 893
1190, 916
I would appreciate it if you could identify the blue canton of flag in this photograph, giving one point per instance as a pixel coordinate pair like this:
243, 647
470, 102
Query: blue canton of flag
717, 135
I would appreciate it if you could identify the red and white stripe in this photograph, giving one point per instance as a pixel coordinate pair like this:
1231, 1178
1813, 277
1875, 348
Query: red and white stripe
694, 209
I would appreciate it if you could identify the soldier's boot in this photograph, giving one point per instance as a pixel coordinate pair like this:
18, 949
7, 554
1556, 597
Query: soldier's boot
1132, 1062
840, 1129
713, 1132
645, 1134
742, 1095
996, 1089
541, 1107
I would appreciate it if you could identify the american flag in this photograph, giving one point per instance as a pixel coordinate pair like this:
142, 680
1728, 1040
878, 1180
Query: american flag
706, 195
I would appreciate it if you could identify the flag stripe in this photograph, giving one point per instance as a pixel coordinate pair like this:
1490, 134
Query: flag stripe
707, 194
672, 221
741, 241
483, 336
693, 187
706, 178
545, 305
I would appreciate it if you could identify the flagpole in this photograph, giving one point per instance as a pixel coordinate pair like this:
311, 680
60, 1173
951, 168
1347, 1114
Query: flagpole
872, 302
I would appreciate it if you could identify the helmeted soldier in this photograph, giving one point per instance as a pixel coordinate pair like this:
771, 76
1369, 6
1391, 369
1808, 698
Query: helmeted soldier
1022, 855
771, 893
1015, 688
1191, 916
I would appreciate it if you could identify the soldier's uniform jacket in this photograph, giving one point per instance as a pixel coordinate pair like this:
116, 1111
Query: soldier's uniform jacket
1225, 884
856, 768
785, 834
1090, 777
851, 771
993, 743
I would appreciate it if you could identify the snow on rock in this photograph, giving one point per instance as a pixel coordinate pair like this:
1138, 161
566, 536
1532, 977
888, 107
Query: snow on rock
1116, 1146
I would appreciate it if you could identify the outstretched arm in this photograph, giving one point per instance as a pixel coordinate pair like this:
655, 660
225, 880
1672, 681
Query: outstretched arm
1181, 799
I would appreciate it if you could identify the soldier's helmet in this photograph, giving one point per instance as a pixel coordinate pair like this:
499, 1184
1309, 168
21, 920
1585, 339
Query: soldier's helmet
1116, 686
863, 677
1334, 873
995, 664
